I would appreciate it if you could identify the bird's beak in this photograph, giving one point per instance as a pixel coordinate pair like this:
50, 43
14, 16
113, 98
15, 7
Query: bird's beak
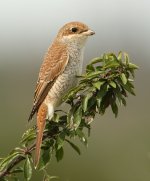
89, 32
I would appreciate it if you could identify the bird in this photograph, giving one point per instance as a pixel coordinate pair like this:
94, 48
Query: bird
58, 73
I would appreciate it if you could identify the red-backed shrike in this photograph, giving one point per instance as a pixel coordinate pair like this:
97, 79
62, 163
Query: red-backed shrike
61, 65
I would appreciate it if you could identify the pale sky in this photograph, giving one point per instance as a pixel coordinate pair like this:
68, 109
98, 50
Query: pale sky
119, 25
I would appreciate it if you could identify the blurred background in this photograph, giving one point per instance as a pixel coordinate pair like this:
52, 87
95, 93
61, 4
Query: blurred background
119, 149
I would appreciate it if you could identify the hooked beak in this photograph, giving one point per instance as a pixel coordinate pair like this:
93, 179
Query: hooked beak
89, 32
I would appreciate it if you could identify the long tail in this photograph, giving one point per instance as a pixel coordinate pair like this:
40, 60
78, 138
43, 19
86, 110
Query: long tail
41, 121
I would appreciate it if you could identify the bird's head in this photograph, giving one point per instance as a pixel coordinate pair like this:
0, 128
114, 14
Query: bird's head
75, 33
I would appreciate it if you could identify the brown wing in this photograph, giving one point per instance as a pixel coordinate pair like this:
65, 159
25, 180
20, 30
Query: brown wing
54, 64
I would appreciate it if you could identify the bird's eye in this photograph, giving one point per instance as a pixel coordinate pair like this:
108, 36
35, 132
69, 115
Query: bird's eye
74, 29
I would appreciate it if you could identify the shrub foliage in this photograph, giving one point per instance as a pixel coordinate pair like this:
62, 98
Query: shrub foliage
106, 83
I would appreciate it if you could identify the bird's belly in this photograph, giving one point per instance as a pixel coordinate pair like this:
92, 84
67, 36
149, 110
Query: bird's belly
64, 82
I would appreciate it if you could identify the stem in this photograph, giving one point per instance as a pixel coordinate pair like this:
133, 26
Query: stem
17, 160
27, 151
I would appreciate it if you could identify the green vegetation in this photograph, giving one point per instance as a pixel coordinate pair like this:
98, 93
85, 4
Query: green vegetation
106, 83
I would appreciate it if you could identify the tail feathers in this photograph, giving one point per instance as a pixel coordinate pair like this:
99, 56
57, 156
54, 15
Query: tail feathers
33, 111
41, 121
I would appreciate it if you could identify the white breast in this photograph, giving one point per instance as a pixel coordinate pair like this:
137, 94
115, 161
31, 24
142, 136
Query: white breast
68, 78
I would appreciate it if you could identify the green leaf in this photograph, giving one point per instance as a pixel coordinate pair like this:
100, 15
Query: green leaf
133, 66
93, 74
47, 144
131, 72
118, 93
44, 159
59, 154
74, 147
129, 88
85, 101
112, 57
96, 60
70, 117
126, 56
77, 117
28, 138
27, 169
29, 135
111, 65
113, 84
105, 57
123, 101
100, 95
119, 56
105, 102
60, 140
92, 103
72, 92
130, 84
90, 68
102, 91
98, 100
8, 159
98, 84
123, 78
82, 137
17, 170
114, 108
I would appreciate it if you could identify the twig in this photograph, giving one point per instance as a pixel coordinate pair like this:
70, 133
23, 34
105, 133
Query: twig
27, 151
17, 160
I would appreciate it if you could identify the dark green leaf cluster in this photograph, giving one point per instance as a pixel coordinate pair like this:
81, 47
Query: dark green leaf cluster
106, 83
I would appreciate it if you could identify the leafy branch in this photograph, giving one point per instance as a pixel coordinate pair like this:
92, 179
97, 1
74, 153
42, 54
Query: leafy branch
106, 83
